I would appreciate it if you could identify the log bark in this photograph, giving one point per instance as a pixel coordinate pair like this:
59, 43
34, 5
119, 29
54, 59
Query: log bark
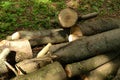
83, 67
56, 47
91, 27
41, 34
52, 71
50, 36
88, 16
89, 46
105, 72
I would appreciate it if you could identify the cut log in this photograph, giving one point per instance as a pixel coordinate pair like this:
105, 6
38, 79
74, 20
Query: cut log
45, 36
88, 16
117, 77
52, 71
22, 48
104, 72
38, 34
89, 46
67, 17
85, 66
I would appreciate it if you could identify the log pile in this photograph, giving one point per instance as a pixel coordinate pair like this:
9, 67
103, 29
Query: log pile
87, 50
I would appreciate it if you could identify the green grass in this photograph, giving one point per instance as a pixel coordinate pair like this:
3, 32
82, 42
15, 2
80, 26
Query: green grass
37, 14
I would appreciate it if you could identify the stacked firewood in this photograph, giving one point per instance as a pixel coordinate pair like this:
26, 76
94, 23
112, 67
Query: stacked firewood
86, 50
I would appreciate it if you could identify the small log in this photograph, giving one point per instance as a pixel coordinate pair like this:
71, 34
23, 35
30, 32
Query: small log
85, 66
52, 71
37, 34
104, 72
88, 16
67, 17
44, 50
117, 77
89, 46
45, 36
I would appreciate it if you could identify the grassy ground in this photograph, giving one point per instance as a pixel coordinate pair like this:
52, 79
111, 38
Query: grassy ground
37, 14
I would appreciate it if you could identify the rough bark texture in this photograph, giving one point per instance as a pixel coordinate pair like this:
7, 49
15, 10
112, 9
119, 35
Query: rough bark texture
89, 46
88, 16
52, 71
85, 66
104, 72
54, 37
91, 27
56, 47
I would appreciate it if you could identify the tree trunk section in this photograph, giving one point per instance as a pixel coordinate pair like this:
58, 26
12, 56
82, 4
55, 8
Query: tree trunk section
104, 72
85, 66
52, 71
67, 17
89, 46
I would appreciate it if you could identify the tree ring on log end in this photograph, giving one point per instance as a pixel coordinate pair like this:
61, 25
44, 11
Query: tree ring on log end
67, 17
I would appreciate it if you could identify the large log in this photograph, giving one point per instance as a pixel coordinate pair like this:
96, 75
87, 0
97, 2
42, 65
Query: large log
83, 67
89, 46
52, 71
105, 72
